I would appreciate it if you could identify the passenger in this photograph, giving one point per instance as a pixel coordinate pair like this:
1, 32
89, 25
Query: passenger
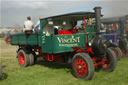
28, 24
37, 26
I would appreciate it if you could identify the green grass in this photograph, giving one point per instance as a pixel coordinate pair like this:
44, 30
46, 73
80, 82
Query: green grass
48, 73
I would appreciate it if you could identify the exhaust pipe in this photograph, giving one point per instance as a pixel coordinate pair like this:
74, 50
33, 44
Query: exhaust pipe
98, 20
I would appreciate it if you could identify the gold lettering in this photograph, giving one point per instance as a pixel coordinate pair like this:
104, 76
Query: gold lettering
59, 39
69, 40
78, 39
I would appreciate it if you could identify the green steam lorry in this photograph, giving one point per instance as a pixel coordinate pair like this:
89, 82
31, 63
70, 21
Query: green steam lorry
68, 38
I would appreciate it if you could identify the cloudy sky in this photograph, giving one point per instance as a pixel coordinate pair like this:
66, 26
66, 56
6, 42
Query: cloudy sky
15, 11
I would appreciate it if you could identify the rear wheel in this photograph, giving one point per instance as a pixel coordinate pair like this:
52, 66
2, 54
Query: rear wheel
0, 72
82, 66
110, 61
117, 52
31, 58
23, 57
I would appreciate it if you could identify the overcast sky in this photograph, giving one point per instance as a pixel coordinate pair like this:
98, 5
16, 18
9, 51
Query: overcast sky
15, 11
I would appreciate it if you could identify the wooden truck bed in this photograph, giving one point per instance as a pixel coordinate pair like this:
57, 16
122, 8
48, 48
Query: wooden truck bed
25, 39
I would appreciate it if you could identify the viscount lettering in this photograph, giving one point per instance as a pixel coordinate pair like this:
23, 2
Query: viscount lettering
69, 40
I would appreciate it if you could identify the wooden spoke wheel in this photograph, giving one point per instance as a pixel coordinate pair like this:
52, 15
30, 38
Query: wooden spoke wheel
110, 61
82, 66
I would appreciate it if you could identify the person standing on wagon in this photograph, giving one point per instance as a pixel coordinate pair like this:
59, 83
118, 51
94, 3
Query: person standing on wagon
37, 26
28, 24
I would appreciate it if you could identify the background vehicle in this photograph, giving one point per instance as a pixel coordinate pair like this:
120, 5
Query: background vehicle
116, 32
68, 38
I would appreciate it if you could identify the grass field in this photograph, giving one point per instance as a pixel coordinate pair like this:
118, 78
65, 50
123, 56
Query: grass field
43, 73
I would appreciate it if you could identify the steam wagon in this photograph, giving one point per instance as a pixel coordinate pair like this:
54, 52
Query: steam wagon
116, 33
68, 38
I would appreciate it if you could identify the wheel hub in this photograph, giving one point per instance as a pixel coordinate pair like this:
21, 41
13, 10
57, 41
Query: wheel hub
21, 58
79, 67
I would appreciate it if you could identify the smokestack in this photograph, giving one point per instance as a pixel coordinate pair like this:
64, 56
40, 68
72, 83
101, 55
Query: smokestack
98, 20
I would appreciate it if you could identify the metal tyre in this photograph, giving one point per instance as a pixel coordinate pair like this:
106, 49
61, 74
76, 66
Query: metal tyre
110, 61
82, 66
117, 52
31, 58
23, 57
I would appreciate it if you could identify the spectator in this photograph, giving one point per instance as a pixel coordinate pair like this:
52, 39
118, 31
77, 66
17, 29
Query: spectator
28, 24
37, 26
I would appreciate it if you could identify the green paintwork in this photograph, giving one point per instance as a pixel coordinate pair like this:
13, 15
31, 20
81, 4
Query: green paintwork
23, 39
54, 43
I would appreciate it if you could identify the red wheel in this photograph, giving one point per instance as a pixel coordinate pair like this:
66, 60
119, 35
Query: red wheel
82, 66
110, 61
115, 52
23, 57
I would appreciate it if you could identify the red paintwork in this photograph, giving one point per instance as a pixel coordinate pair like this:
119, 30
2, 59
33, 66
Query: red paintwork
74, 31
115, 52
64, 32
101, 61
89, 50
114, 33
106, 63
21, 58
94, 59
80, 67
85, 32
50, 57
59, 57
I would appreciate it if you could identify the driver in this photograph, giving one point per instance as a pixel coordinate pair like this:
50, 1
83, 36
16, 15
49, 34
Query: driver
73, 29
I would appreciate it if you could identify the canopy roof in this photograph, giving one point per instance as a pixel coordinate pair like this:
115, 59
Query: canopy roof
111, 20
114, 19
73, 15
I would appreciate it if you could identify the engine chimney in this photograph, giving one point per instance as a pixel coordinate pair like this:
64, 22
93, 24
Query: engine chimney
98, 20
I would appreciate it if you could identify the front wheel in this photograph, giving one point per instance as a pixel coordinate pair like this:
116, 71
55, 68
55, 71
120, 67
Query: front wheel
82, 66
110, 61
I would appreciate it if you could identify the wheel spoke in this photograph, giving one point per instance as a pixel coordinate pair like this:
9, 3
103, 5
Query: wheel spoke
80, 67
